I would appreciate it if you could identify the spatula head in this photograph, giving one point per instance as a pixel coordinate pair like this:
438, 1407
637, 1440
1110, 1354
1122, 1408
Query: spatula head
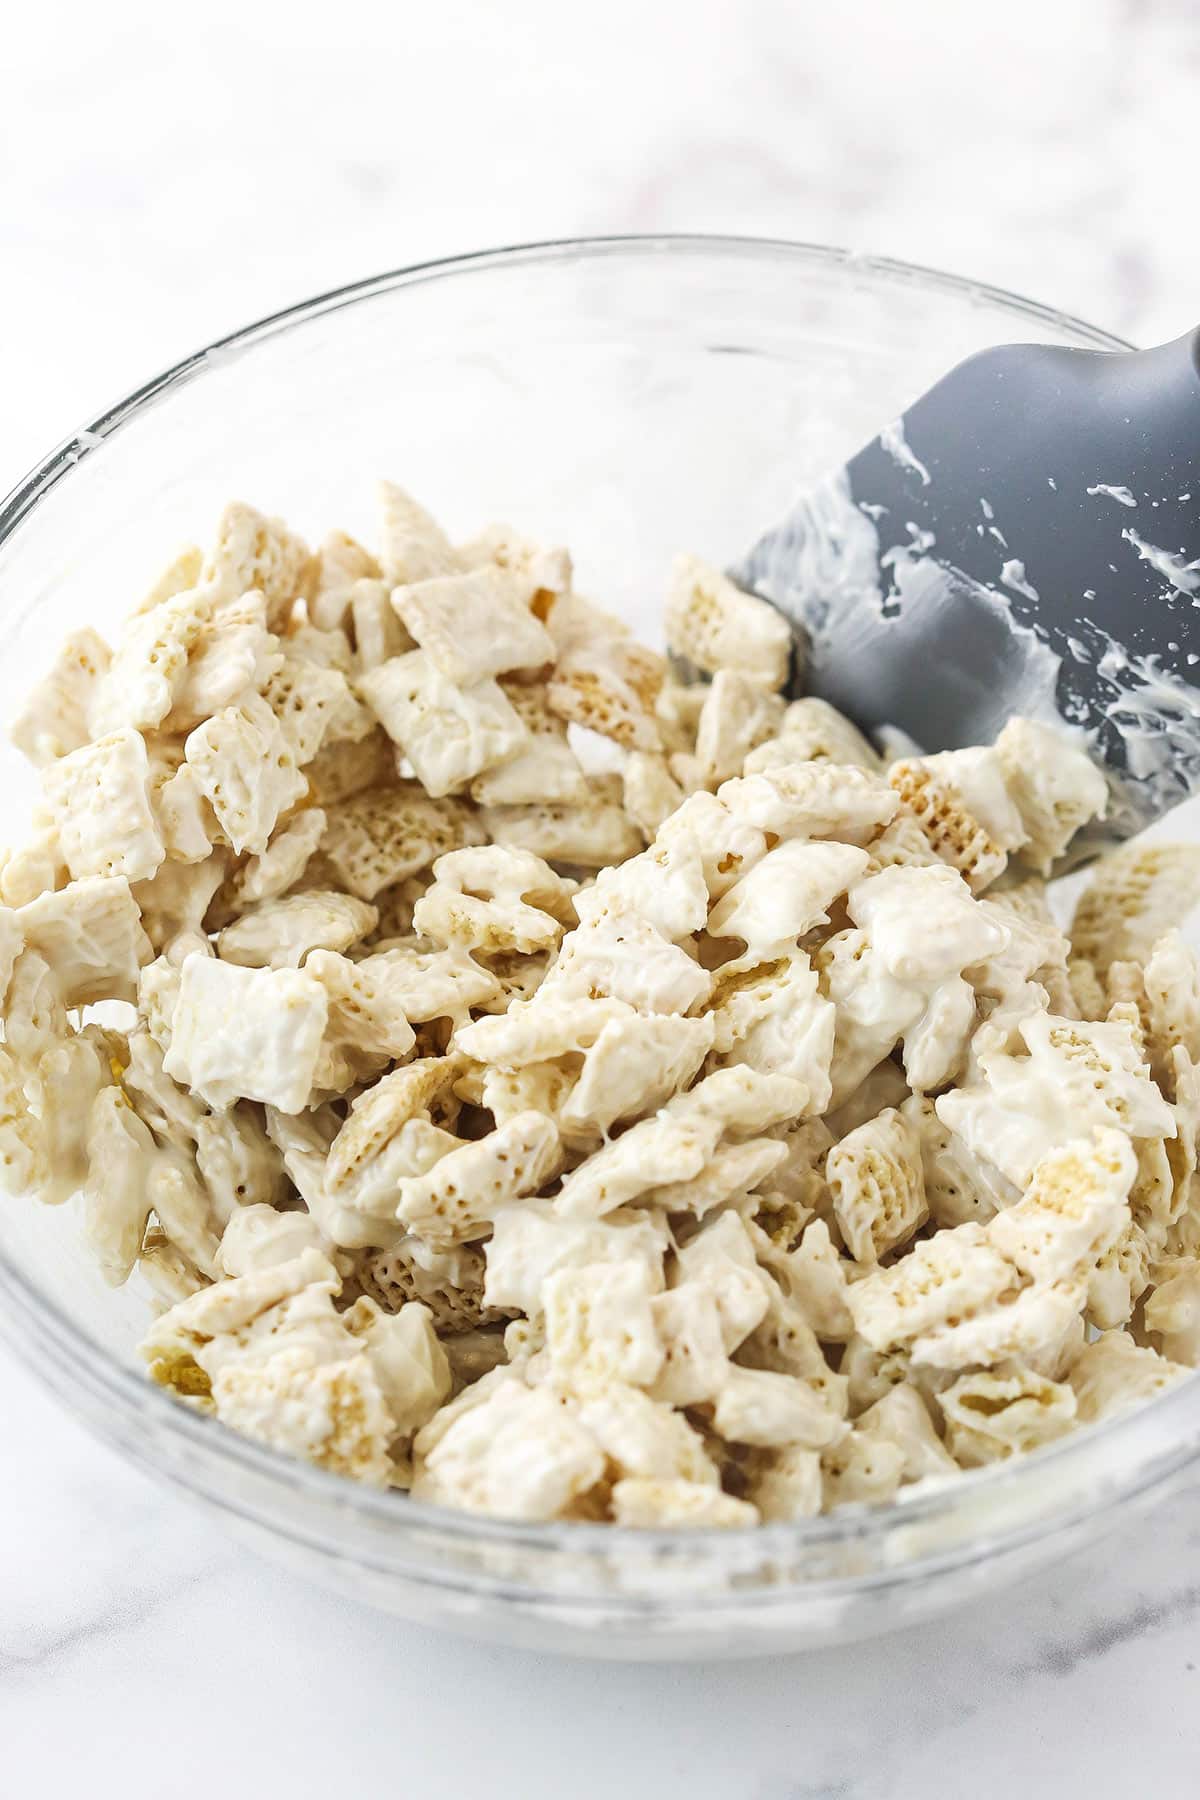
1025, 539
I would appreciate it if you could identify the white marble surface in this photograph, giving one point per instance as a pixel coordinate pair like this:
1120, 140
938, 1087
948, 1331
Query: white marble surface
169, 175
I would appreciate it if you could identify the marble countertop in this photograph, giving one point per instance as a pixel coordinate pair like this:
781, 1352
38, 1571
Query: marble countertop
169, 179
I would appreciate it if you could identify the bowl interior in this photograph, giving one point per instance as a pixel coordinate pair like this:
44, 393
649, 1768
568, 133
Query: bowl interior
628, 399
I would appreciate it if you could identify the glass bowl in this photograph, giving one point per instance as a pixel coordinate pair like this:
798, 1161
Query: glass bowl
627, 397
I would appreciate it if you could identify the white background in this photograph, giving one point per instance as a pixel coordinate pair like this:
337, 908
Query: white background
169, 173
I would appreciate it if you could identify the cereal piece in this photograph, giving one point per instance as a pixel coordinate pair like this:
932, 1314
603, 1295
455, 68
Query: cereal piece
1077, 1077
903, 845
901, 1417
1119, 1279
952, 1275
324, 649
12, 942
59, 1088
378, 634
622, 955
239, 1165
180, 573
1055, 786
137, 689
743, 1101
1024, 1325
383, 836
280, 865
813, 731
815, 1278
100, 806
172, 1114
872, 1009
643, 1438
721, 1259
1035, 951
959, 1186
1172, 1312
53, 719
249, 1033
117, 1206
180, 1204
448, 1283
158, 996
994, 1414
341, 563
557, 1026
650, 791
924, 923
406, 1360
1171, 981
313, 705
727, 1176
251, 551
861, 1469
633, 1067
457, 1200
758, 1406
775, 1020
979, 780
257, 1238
533, 1240
645, 1504
448, 734
953, 833
590, 833
636, 1161
247, 771
1136, 895
473, 626
36, 868
1074, 1209
788, 893
332, 1414
494, 899
813, 800
878, 1183
232, 654
1113, 1374
728, 848
182, 815
599, 1326
935, 1045
871, 1374
603, 679
739, 714
713, 625
664, 886
540, 572
787, 1486
695, 1361
518, 1454
413, 547
90, 935
377, 1115
424, 984
545, 770
278, 934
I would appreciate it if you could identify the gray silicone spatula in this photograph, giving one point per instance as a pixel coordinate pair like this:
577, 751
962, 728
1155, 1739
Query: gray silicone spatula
1025, 539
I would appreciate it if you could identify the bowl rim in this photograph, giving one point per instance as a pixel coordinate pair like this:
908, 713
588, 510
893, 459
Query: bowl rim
46, 1339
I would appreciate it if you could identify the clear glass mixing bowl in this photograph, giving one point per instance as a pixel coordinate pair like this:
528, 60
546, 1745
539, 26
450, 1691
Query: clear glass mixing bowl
628, 398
